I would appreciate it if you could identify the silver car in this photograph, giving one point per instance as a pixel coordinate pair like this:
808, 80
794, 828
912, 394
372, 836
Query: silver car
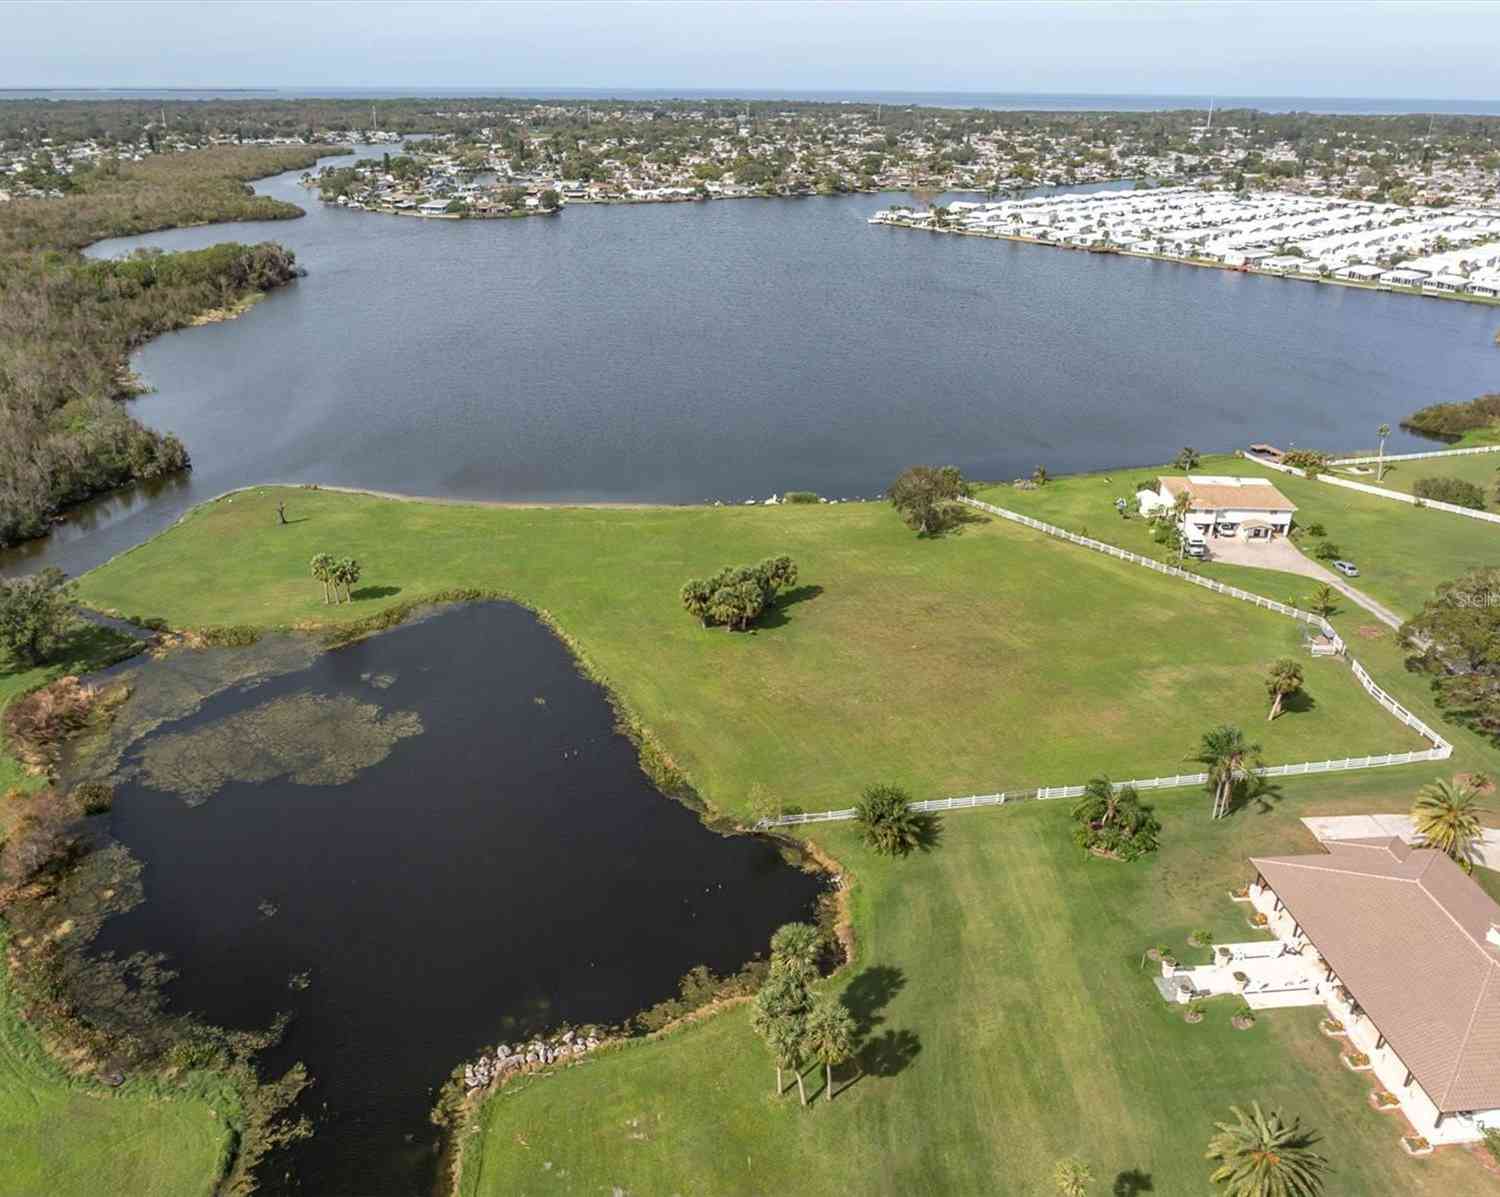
1347, 568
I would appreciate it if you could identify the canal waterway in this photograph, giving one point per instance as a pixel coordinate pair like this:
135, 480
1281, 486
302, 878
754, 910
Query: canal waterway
728, 350
418, 845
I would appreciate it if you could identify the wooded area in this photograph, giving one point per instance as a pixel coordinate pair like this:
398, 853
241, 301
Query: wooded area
69, 324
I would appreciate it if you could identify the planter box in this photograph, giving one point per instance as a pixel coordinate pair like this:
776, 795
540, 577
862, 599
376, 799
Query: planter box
1424, 1149
1331, 1032
1353, 1067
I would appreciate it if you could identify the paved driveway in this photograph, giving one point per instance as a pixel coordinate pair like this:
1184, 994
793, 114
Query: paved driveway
1283, 555
1357, 827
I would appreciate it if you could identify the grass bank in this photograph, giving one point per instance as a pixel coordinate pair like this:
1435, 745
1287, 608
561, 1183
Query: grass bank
895, 658
1008, 1022
66, 1137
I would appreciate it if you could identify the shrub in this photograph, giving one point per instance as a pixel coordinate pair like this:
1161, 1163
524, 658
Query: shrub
1315, 530
1311, 460
94, 797
1450, 490
1114, 823
36, 724
801, 496
1328, 551
40, 840
228, 635
1491, 1134
1452, 420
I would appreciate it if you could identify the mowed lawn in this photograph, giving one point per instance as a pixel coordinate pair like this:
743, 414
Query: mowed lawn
1482, 469
1403, 552
1009, 1023
64, 1138
993, 658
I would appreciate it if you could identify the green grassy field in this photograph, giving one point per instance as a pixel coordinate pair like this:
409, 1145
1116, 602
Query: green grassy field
1402, 552
1020, 1028
1482, 469
1012, 1024
991, 659
65, 1138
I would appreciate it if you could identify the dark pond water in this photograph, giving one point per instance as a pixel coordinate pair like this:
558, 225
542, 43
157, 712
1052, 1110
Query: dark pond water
684, 352
507, 868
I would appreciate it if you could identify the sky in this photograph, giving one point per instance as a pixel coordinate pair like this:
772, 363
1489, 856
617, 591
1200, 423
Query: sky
1441, 49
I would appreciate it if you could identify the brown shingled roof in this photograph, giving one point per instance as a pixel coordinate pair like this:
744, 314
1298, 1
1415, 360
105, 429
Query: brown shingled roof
1405, 931
1253, 494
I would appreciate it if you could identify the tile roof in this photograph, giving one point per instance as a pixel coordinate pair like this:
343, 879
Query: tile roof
1246, 494
1405, 931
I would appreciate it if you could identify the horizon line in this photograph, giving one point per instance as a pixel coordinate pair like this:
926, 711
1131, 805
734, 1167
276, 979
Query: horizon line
494, 91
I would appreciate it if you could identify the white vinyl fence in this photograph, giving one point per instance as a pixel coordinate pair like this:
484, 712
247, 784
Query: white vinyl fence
1385, 492
1440, 749
1402, 497
1176, 782
1416, 456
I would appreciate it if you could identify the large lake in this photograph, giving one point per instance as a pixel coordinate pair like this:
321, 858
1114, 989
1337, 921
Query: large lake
690, 352
440, 834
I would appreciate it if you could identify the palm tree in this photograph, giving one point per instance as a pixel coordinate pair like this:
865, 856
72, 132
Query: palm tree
1447, 818
1322, 601
1285, 678
1226, 757
1072, 1177
795, 949
1099, 803
322, 570
1265, 1156
830, 1037
777, 1016
1382, 432
345, 573
891, 827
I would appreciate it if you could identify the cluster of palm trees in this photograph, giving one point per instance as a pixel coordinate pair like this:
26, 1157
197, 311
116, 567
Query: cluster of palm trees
1259, 1154
338, 576
799, 1027
1229, 760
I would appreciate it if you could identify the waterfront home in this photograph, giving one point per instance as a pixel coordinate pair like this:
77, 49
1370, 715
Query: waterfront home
1404, 951
1222, 506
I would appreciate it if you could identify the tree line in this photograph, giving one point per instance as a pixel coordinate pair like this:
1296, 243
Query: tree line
69, 324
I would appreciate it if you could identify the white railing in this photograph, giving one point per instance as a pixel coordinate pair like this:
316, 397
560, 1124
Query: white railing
1384, 492
1416, 456
1175, 782
1440, 750
1171, 571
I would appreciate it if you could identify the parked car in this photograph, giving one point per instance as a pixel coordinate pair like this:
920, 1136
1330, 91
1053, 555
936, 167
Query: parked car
1347, 568
1196, 548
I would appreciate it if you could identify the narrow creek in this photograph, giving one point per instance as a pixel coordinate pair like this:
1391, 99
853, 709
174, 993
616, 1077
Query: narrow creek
418, 845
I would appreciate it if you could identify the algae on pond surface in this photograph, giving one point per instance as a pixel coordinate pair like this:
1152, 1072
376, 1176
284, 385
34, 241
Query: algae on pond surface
312, 739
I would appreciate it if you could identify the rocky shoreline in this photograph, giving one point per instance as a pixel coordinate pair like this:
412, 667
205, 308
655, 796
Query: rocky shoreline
505, 1060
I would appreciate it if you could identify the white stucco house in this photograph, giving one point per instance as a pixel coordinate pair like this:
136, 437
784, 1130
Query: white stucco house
1221, 506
